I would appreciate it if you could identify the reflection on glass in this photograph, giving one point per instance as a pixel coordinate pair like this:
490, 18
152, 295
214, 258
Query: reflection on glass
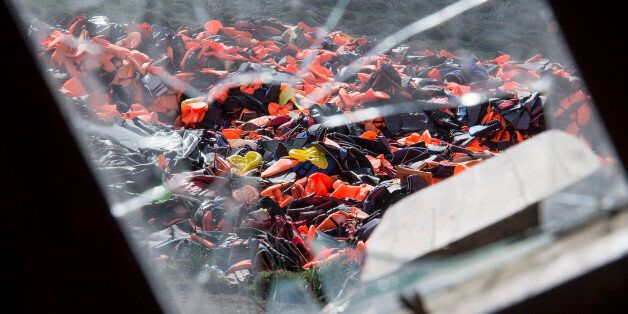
250, 148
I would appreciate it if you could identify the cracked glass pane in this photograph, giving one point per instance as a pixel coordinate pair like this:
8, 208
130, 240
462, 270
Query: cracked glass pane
256, 153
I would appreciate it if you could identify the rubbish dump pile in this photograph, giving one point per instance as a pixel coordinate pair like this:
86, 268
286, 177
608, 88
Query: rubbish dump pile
279, 147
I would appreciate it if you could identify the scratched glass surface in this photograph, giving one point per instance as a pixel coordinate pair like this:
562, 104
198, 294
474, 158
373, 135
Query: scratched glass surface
118, 66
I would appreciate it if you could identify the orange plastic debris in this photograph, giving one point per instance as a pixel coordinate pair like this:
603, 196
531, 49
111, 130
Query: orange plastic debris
213, 27
279, 166
245, 264
193, 110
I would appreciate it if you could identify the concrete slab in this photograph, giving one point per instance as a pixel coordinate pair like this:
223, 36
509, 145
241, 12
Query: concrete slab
477, 198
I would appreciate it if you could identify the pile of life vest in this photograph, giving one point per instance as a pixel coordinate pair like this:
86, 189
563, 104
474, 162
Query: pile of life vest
270, 146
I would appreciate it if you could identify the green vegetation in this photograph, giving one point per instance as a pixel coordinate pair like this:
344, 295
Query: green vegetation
333, 280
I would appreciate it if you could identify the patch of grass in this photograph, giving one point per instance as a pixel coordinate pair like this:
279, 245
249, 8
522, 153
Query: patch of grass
216, 282
327, 283
331, 281
264, 280
188, 258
